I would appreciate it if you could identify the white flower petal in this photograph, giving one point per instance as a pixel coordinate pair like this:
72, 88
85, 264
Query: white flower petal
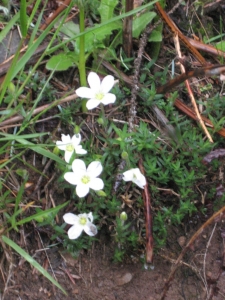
70, 218
80, 150
96, 184
90, 229
94, 168
107, 83
140, 179
78, 166
84, 215
61, 145
90, 216
140, 183
66, 138
82, 190
72, 178
128, 175
94, 81
75, 231
92, 103
68, 155
135, 176
85, 92
108, 98
76, 140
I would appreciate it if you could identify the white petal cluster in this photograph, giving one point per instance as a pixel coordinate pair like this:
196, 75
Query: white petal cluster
98, 91
85, 178
135, 176
79, 223
70, 145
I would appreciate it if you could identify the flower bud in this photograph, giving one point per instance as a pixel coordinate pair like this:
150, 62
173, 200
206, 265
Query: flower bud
101, 193
56, 150
124, 155
11, 88
123, 216
100, 121
76, 129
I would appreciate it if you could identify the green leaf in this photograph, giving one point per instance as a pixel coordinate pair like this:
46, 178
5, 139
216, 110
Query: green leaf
95, 39
40, 150
12, 137
140, 23
70, 29
156, 36
9, 26
103, 25
60, 62
106, 9
32, 261
42, 214
23, 18
220, 45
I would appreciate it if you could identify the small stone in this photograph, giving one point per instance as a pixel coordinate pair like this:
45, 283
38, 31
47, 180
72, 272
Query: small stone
124, 279
209, 274
182, 241
100, 284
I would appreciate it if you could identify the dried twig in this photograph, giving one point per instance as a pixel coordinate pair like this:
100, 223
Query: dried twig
38, 110
148, 218
135, 86
177, 46
127, 29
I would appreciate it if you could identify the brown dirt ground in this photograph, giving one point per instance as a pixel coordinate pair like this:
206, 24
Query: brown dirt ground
94, 276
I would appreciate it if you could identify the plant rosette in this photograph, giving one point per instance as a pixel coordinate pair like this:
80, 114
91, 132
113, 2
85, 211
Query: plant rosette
98, 91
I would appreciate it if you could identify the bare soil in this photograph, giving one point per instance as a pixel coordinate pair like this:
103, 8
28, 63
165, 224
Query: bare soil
95, 276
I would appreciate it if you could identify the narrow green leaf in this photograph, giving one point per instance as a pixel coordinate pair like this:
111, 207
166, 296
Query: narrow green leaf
32, 261
42, 214
23, 18
12, 137
40, 150
9, 26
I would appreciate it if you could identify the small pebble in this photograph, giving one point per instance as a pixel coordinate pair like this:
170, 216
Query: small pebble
182, 241
124, 279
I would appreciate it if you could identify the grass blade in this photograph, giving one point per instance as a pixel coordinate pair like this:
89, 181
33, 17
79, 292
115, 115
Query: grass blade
32, 261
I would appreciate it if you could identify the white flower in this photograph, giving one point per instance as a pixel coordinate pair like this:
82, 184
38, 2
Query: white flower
98, 91
69, 145
80, 223
136, 176
85, 179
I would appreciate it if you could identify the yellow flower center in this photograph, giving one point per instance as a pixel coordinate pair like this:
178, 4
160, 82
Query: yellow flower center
99, 96
83, 221
69, 148
85, 179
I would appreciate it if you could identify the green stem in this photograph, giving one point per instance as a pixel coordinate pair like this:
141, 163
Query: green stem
105, 121
82, 60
